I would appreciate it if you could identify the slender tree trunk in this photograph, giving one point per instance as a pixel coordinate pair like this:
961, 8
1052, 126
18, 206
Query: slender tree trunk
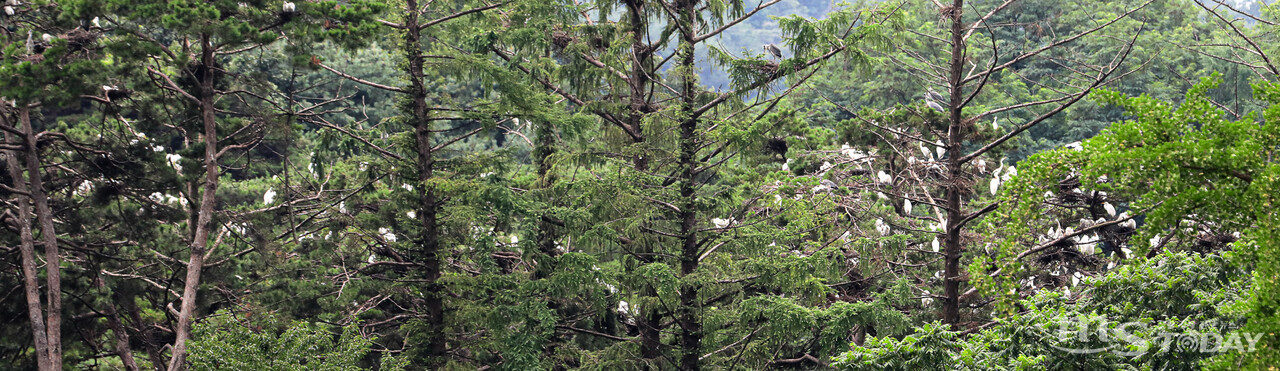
955, 138
122, 348
30, 276
428, 205
639, 78
53, 262
649, 321
546, 229
152, 348
690, 321
200, 240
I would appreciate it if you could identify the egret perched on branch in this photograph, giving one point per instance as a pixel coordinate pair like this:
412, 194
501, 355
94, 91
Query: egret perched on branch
773, 50
884, 177
906, 206
1111, 210
288, 7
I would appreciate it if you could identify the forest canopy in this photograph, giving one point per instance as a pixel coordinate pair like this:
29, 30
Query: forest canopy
639, 184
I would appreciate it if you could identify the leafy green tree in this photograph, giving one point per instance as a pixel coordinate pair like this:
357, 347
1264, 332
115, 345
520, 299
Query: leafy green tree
225, 342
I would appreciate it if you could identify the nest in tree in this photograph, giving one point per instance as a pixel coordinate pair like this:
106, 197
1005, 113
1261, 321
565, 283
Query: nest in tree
600, 43
35, 58
80, 39
560, 39
769, 68
1210, 242
949, 12
776, 146
1069, 184
507, 260
1095, 198
1067, 255
1070, 197
970, 238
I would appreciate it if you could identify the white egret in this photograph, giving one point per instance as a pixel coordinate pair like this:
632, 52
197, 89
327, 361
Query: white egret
882, 227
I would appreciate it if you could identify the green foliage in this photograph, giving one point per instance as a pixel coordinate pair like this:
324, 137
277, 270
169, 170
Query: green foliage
227, 342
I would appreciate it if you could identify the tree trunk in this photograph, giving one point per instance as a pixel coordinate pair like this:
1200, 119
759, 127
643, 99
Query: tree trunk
955, 138
690, 321
428, 205
53, 263
122, 348
30, 276
200, 240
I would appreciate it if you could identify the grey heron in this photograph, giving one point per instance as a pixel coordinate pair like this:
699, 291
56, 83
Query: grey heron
773, 50
933, 105
934, 95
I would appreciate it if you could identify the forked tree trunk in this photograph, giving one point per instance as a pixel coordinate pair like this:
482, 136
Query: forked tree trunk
30, 275
200, 239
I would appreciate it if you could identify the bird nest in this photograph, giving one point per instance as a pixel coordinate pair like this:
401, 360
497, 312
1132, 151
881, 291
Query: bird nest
1066, 254
769, 68
1210, 242
560, 39
949, 12
80, 39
